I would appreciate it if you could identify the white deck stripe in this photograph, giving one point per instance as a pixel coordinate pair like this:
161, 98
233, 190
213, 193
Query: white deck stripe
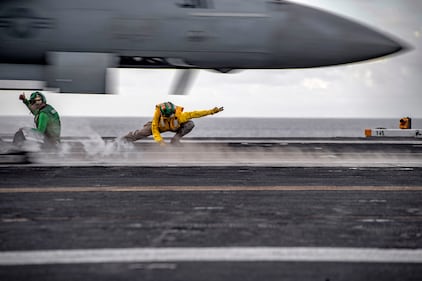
212, 254
204, 188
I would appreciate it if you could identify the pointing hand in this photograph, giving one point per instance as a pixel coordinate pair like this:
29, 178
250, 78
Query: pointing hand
218, 109
22, 96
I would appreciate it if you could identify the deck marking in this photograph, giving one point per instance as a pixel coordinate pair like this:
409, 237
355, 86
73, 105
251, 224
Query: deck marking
212, 254
204, 188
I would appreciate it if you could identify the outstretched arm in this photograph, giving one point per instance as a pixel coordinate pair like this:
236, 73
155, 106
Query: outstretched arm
199, 113
26, 102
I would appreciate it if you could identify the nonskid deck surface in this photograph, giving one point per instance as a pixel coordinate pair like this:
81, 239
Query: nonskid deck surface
208, 223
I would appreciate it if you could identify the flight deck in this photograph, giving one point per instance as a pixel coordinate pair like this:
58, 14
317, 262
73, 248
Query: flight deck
214, 209
282, 152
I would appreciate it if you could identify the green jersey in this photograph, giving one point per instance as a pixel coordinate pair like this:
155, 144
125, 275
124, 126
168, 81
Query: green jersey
47, 121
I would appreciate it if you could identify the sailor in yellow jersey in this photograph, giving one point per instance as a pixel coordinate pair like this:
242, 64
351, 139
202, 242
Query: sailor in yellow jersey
169, 117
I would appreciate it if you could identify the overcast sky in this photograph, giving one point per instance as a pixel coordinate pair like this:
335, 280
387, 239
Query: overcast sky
390, 88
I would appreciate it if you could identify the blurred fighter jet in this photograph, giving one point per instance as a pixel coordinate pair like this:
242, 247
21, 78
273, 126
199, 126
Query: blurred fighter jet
70, 44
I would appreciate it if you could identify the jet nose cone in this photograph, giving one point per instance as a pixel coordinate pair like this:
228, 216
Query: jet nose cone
362, 42
310, 37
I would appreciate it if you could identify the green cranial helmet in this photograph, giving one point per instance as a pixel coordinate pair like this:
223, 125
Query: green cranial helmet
36, 94
167, 109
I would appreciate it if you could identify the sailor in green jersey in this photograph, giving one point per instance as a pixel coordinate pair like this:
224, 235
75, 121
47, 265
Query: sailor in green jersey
46, 118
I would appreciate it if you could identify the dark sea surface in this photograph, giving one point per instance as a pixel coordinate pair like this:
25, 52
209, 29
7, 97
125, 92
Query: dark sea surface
211, 126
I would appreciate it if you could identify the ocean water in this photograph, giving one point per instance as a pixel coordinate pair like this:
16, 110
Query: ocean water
212, 126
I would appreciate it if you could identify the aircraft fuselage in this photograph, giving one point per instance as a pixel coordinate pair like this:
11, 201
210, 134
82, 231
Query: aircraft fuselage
206, 34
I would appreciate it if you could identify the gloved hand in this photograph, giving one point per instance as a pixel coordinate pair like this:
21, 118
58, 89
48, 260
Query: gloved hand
22, 97
162, 143
217, 109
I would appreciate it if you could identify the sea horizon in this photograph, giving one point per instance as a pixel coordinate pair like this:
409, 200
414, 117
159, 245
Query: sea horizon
218, 127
